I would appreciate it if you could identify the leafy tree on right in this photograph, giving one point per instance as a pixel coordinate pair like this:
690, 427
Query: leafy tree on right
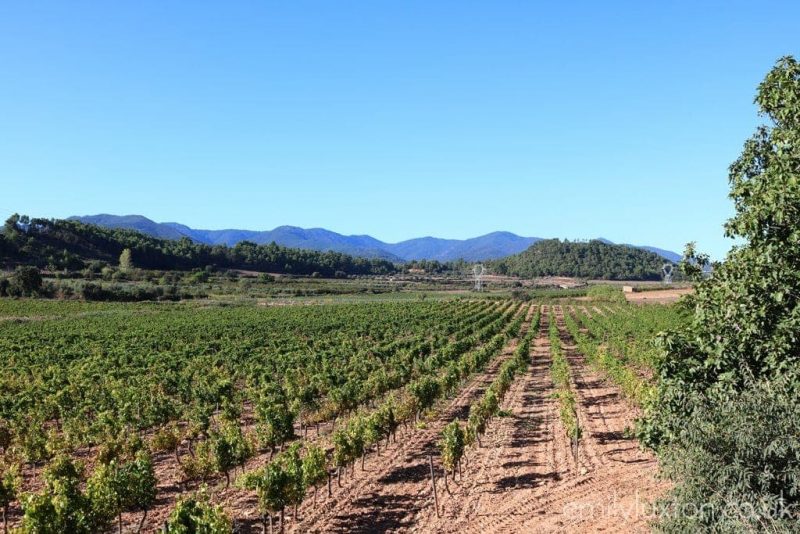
726, 421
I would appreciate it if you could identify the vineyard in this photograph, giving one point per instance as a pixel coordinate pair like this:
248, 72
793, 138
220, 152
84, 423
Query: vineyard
468, 414
162, 378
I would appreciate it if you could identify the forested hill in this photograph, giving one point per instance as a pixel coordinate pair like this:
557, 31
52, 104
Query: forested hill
593, 259
65, 244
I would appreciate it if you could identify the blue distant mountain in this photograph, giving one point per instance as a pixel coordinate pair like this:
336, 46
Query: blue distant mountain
132, 222
674, 257
486, 247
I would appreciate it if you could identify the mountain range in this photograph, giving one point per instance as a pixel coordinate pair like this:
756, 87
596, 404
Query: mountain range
486, 247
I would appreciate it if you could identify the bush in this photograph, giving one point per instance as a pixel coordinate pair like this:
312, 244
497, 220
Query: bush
134, 293
740, 458
520, 295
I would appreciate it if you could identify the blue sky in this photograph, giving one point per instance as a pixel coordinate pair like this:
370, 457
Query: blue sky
396, 119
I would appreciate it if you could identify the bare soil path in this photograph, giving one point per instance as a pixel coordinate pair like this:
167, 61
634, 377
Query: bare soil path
521, 455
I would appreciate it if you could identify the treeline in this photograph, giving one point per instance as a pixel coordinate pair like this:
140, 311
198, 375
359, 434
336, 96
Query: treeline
61, 244
436, 267
593, 259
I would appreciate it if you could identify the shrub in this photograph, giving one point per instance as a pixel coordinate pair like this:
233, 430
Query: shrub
740, 458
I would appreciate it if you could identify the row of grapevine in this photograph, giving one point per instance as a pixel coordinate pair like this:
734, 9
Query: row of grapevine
628, 330
455, 438
560, 372
621, 345
598, 355
362, 431
367, 429
142, 378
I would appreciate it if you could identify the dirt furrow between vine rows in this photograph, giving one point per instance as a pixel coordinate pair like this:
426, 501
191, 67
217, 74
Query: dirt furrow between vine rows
620, 478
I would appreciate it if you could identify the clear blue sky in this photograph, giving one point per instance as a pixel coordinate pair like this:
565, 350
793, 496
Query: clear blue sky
397, 119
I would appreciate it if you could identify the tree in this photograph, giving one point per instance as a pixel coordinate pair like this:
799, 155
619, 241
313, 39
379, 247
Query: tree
27, 280
11, 226
693, 263
126, 260
725, 420
24, 242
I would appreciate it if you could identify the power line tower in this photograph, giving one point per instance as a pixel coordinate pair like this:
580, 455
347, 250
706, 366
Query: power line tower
667, 271
477, 274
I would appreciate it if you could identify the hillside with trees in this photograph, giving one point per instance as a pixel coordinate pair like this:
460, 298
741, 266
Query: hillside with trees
64, 244
594, 259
